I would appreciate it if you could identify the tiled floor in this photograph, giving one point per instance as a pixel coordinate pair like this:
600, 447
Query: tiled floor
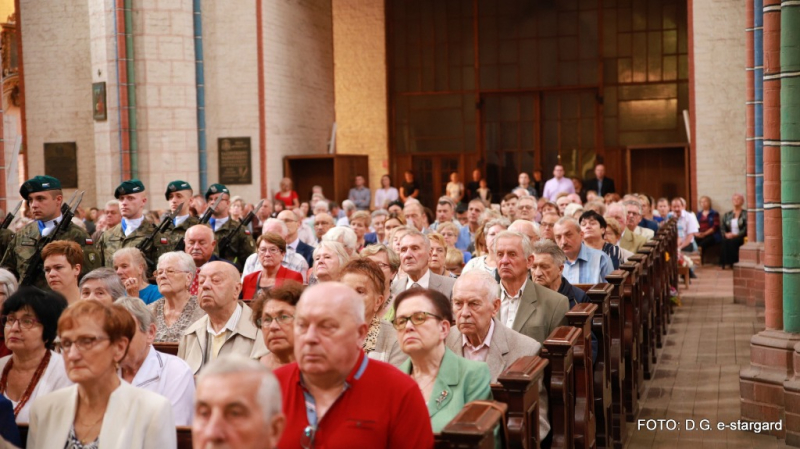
697, 375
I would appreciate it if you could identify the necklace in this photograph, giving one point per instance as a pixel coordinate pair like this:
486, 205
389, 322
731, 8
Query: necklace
31, 385
423, 387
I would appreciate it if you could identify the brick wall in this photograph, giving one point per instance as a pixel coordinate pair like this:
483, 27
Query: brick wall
298, 63
58, 84
719, 60
360, 60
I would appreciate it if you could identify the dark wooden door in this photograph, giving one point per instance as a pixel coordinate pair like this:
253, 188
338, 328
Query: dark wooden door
658, 171
432, 173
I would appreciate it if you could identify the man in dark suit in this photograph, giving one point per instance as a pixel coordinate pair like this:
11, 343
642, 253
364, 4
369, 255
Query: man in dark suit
415, 251
292, 239
600, 183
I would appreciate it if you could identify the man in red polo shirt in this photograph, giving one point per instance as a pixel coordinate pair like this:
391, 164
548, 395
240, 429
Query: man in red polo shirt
334, 396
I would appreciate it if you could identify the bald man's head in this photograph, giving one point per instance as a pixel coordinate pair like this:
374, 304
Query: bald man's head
525, 227
200, 243
219, 286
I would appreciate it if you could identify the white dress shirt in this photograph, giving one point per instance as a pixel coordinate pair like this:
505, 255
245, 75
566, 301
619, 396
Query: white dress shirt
179, 220
509, 305
53, 378
172, 378
50, 225
423, 282
480, 352
218, 222
129, 225
230, 325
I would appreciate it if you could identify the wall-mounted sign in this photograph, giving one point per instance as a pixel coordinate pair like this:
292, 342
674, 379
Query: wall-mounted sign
61, 161
234, 160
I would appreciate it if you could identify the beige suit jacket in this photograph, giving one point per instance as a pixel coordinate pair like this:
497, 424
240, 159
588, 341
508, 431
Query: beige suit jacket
135, 419
540, 312
632, 241
246, 340
644, 232
505, 348
387, 348
442, 284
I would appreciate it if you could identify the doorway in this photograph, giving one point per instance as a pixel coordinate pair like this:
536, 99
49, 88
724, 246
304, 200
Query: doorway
660, 171
432, 173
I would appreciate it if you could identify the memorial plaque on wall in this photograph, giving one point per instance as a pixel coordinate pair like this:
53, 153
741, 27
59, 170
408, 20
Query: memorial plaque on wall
234, 160
61, 161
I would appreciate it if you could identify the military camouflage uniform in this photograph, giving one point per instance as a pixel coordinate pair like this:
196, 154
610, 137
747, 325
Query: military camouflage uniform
5, 239
24, 245
114, 239
241, 246
167, 240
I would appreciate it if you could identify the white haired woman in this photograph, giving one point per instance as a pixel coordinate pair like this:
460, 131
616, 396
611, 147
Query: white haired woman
329, 258
148, 369
131, 267
488, 262
178, 308
344, 235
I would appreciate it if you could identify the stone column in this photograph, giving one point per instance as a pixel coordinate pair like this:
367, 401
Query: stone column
758, 98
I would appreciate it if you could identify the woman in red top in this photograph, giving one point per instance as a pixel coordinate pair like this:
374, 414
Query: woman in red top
287, 195
271, 249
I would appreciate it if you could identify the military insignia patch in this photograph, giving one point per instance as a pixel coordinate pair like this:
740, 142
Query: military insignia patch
89, 242
164, 241
92, 257
247, 232
214, 189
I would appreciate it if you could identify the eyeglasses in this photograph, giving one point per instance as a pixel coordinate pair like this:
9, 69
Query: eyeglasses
417, 318
24, 323
82, 343
274, 251
168, 272
524, 207
634, 213
307, 440
546, 225
382, 265
266, 322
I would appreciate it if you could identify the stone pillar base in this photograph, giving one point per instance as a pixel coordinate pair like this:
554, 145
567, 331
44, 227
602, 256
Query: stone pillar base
791, 398
761, 385
748, 275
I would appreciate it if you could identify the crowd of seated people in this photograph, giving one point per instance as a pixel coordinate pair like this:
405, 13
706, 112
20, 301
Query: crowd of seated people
372, 313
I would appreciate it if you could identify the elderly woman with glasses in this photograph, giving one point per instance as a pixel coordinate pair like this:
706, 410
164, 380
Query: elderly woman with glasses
131, 268
271, 249
447, 382
161, 373
8, 285
100, 410
29, 319
178, 308
273, 313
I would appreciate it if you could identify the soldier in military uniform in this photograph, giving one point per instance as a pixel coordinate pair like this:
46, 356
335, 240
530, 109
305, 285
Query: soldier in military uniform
133, 228
44, 197
242, 244
177, 192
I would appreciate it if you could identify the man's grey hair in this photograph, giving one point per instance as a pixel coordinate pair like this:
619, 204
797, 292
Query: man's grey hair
139, 310
571, 208
10, 282
110, 279
528, 198
571, 221
114, 203
520, 192
380, 213
348, 205
183, 260
633, 203
348, 237
135, 255
550, 247
485, 281
416, 233
322, 204
527, 247
269, 390
279, 223
615, 206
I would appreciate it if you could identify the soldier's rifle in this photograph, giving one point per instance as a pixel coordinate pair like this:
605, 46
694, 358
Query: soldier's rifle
181, 245
10, 217
226, 241
36, 264
147, 244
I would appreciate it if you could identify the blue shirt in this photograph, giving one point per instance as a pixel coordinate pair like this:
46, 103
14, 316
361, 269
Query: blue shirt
590, 267
359, 196
150, 294
464, 238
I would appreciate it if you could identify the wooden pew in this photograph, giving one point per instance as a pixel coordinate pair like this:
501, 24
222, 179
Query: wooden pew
633, 332
658, 283
560, 382
518, 388
647, 349
617, 355
580, 317
168, 348
600, 295
473, 427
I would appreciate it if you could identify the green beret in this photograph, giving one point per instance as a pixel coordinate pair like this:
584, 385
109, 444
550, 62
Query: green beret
216, 188
176, 186
39, 184
128, 187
